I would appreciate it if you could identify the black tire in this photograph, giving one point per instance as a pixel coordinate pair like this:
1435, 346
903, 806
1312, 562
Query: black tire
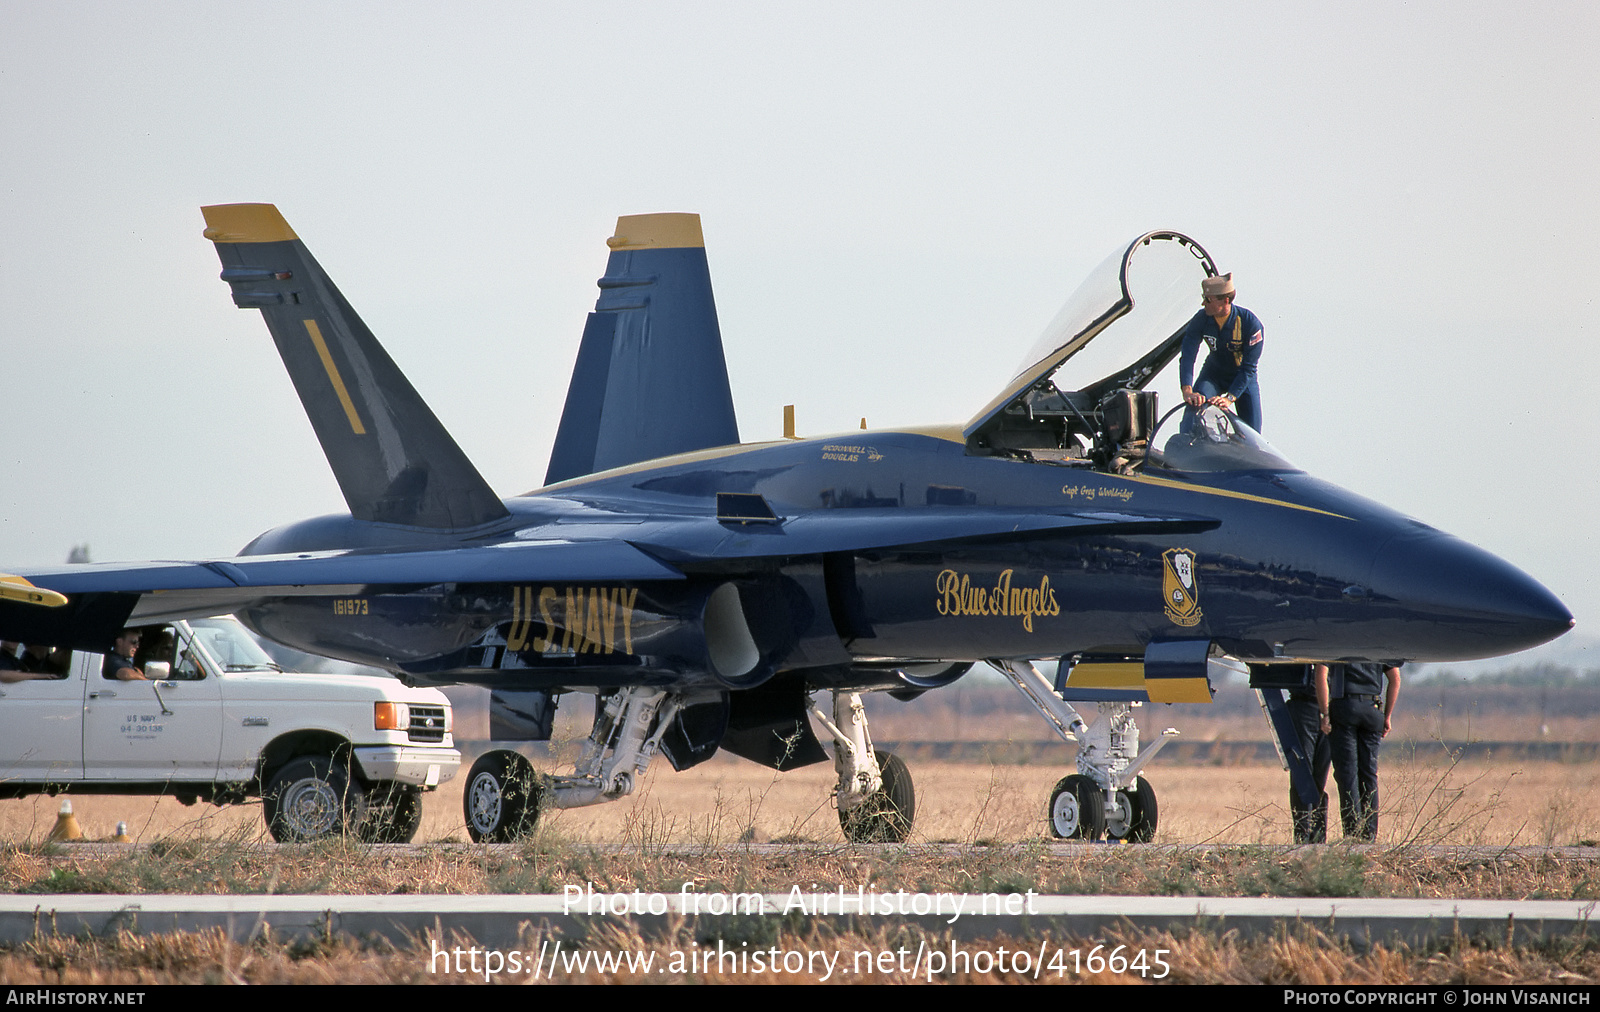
394, 814
1077, 809
1136, 816
888, 815
503, 796
312, 798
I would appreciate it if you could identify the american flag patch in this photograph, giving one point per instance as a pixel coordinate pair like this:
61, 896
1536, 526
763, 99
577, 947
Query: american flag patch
1256, 339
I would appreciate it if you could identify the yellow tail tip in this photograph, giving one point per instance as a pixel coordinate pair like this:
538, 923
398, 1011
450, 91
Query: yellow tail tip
657, 231
246, 223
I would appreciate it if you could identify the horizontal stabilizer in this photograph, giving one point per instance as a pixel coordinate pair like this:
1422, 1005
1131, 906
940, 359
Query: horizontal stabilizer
650, 379
394, 461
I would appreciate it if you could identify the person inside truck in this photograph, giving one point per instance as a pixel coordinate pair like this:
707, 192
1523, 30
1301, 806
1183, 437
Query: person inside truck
34, 662
45, 662
158, 644
10, 667
119, 663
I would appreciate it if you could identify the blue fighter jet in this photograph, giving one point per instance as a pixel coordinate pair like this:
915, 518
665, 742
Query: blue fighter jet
703, 590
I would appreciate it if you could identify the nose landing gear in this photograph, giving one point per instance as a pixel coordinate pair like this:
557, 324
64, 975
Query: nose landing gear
1106, 797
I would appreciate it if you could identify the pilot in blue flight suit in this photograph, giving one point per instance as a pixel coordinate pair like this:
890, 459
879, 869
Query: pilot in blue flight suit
1228, 375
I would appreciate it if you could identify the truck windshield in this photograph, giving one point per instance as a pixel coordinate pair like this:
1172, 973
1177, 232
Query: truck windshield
230, 646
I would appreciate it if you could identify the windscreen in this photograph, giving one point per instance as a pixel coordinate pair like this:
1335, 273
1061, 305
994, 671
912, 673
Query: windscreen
1214, 440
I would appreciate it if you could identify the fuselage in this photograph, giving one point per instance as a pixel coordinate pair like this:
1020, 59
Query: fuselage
1267, 563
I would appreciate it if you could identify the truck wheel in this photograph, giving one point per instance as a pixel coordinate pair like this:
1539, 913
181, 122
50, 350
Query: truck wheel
311, 798
394, 813
502, 799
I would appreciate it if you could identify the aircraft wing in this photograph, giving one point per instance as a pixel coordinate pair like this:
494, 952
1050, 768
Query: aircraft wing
554, 561
104, 597
685, 541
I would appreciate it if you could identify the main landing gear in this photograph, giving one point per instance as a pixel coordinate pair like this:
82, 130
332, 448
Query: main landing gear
505, 795
877, 801
1106, 797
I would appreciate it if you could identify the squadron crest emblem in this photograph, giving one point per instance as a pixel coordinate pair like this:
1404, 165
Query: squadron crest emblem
1179, 590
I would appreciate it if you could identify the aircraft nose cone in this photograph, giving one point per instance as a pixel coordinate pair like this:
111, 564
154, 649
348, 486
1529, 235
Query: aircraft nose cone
1460, 602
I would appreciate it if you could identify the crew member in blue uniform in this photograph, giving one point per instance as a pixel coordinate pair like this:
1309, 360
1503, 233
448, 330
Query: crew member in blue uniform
1308, 709
1359, 720
1228, 375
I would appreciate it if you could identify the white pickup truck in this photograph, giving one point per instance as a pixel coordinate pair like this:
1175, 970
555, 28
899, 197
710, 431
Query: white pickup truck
218, 721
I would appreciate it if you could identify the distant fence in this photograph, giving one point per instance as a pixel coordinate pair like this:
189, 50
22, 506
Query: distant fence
1177, 752
1241, 753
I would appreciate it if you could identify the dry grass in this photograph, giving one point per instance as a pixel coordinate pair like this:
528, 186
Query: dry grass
683, 827
728, 800
1296, 956
189, 862
676, 819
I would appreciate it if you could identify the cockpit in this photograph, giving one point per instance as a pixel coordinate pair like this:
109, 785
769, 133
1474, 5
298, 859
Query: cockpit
1124, 325
1216, 440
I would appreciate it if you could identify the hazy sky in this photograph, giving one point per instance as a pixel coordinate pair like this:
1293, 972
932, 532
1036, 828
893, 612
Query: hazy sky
896, 198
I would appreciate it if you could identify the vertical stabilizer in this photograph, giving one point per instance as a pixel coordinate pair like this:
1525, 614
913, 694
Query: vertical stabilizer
650, 380
394, 462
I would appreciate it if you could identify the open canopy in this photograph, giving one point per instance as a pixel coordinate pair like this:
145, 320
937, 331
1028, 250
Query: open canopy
1136, 302
1079, 398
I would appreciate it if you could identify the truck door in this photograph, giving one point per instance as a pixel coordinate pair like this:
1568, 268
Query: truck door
41, 721
156, 731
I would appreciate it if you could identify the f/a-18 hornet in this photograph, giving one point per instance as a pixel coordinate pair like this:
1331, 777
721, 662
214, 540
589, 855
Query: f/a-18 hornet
703, 590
